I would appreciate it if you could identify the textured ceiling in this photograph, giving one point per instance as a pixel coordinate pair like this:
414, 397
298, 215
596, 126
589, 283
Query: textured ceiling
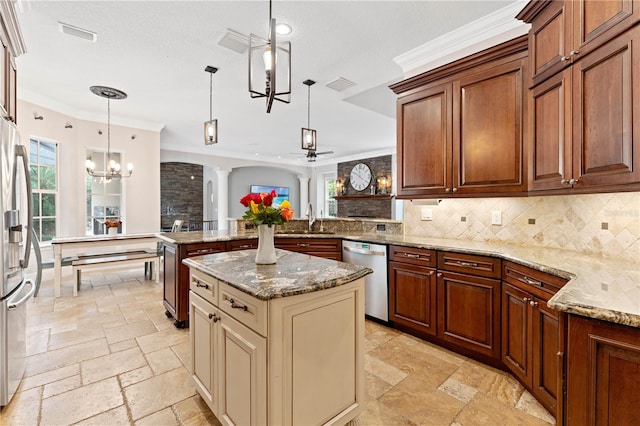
156, 51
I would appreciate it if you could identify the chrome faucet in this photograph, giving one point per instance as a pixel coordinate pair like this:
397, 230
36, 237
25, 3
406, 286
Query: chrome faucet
310, 215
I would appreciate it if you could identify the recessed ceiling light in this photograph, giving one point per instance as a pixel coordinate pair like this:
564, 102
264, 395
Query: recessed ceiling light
283, 29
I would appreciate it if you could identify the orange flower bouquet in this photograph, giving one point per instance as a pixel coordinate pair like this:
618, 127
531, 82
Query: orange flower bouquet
261, 211
112, 223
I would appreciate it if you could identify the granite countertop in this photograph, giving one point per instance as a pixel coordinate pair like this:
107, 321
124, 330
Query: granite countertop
294, 273
597, 287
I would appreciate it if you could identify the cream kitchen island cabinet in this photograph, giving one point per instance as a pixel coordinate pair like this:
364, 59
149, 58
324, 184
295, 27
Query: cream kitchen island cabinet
277, 344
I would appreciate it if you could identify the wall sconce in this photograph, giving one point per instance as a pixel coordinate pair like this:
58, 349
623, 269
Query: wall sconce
68, 126
211, 126
340, 187
384, 184
267, 56
37, 116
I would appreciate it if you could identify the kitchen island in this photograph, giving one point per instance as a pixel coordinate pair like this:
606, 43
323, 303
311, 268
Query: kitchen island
278, 344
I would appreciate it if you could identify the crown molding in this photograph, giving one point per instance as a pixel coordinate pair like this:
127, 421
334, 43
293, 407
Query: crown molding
10, 21
54, 105
483, 33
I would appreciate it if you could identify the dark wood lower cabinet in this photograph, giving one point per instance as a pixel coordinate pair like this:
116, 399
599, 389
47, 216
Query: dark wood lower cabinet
469, 312
412, 297
176, 277
603, 373
329, 248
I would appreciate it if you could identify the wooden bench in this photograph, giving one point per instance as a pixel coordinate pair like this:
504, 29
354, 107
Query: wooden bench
88, 261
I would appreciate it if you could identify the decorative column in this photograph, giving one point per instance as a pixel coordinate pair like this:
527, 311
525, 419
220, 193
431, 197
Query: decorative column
304, 195
223, 199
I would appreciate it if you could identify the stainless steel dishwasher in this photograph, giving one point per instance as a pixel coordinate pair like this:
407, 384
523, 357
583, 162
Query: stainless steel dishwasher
373, 256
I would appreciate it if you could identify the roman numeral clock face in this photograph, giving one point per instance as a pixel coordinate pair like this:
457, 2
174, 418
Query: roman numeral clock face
360, 176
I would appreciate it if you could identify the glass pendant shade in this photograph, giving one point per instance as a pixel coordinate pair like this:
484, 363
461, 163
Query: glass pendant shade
211, 132
270, 68
309, 139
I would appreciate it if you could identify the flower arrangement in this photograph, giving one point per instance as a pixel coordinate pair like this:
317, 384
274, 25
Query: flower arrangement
261, 211
112, 223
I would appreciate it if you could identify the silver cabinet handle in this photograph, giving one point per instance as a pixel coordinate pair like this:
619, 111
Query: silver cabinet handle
439, 275
533, 303
573, 181
468, 264
526, 299
234, 305
532, 282
214, 317
431, 272
455, 189
245, 246
412, 256
447, 189
564, 181
303, 244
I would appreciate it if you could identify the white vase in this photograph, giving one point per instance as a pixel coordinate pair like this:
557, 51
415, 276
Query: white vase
112, 230
266, 254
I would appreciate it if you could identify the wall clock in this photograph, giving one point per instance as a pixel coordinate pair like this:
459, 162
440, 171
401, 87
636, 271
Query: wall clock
360, 176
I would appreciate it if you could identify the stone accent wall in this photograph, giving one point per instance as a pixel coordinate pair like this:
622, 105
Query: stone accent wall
600, 224
366, 207
181, 195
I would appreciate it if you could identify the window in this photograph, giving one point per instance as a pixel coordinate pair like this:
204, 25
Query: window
43, 159
330, 204
104, 197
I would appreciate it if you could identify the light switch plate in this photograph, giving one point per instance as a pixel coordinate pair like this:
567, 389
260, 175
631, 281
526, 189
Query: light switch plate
496, 217
426, 214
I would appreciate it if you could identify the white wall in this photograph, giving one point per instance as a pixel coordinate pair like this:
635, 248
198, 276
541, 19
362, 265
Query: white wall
141, 201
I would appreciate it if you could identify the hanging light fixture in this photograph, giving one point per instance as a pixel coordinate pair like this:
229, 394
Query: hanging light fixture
113, 170
211, 126
309, 141
271, 59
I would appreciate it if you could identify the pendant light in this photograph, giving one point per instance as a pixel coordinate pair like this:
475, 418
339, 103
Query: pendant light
113, 170
309, 141
270, 66
211, 126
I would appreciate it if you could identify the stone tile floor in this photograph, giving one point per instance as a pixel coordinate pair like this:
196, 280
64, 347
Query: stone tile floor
111, 357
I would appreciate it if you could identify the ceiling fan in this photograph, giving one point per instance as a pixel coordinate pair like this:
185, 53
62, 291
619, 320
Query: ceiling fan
311, 155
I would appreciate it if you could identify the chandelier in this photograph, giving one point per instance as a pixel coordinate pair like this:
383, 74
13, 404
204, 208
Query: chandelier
270, 67
113, 170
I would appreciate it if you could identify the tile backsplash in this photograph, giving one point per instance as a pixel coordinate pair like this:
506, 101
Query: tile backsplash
601, 224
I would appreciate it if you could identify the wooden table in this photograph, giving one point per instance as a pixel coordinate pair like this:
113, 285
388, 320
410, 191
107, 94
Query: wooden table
100, 242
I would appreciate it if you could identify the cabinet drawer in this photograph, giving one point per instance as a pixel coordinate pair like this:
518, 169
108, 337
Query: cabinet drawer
202, 249
306, 245
415, 256
242, 244
531, 280
469, 264
204, 286
248, 310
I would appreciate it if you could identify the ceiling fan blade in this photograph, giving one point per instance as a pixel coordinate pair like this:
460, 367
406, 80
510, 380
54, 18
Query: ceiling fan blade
324, 152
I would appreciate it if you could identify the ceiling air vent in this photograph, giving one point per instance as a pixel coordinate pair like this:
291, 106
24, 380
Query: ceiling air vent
234, 40
77, 32
340, 84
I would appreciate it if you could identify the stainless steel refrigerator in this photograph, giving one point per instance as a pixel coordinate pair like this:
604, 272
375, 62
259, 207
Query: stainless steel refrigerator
15, 288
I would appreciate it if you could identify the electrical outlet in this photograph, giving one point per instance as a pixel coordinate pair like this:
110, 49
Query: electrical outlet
426, 214
496, 217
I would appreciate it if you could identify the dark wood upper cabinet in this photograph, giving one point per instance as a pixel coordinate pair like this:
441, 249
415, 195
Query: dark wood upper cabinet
563, 31
460, 127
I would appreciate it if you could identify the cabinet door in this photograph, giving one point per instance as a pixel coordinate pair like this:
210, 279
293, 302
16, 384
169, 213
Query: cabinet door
488, 138
424, 141
545, 334
412, 297
550, 158
516, 332
603, 377
469, 312
170, 278
242, 374
203, 336
595, 22
606, 125
550, 40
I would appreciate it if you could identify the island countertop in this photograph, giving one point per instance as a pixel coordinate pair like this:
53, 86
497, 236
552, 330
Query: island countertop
294, 273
